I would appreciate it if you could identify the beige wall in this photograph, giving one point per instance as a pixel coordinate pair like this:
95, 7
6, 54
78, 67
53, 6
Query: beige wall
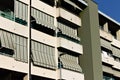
70, 75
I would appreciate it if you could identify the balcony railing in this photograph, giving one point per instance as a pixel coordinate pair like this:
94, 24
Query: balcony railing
10, 16
107, 59
7, 15
68, 38
105, 35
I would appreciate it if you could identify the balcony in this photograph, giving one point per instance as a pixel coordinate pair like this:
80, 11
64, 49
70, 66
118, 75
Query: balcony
69, 45
116, 43
11, 64
64, 14
70, 75
105, 35
43, 7
107, 59
19, 29
116, 65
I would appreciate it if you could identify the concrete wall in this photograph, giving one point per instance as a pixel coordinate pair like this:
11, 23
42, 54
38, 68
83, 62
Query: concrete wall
90, 61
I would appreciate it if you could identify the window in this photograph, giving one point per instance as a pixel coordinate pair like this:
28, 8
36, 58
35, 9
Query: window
6, 51
117, 59
107, 76
50, 2
106, 52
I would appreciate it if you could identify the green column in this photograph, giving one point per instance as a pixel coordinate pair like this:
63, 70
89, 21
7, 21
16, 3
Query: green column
90, 61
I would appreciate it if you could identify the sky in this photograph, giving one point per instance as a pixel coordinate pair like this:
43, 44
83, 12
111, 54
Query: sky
110, 8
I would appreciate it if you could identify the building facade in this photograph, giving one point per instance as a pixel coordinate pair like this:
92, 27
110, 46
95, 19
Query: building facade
70, 40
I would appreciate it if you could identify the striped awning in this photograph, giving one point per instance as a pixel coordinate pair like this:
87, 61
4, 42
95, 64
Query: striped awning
71, 65
116, 51
70, 62
6, 39
21, 10
43, 19
21, 48
105, 44
43, 55
67, 30
45, 24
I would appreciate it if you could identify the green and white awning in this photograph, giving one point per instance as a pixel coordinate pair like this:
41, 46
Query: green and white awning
70, 62
43, 55
21, 10
6, 39
21, 48
43, 18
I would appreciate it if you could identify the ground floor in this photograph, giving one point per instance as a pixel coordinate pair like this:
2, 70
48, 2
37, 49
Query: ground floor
12, 75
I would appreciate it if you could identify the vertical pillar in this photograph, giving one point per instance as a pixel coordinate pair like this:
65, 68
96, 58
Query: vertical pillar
105, 27
56, 38
118, 35
90, 61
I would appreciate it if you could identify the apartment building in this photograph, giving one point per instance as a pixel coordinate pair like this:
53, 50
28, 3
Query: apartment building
70, 40
110, 47
55, 44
